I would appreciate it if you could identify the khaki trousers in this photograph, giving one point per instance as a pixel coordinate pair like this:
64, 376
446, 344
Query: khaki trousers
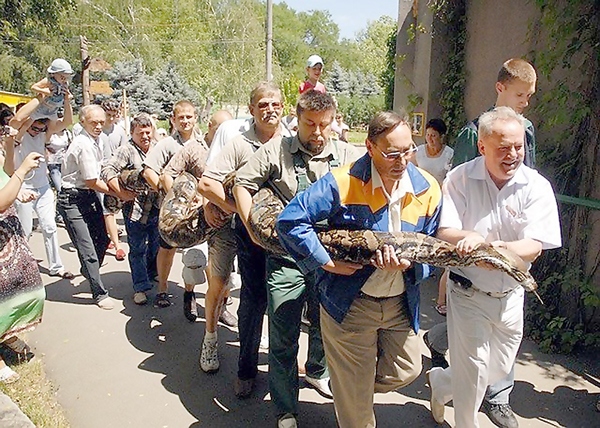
373, 350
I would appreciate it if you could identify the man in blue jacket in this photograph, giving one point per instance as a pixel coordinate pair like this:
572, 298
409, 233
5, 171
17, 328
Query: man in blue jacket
369, 315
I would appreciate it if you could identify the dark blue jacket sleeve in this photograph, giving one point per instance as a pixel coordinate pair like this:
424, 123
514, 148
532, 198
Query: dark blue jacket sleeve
295, 224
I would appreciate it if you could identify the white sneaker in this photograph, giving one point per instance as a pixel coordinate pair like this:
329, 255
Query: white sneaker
209, 357
106, 304
321, 385
140, 298
287, 421
436, 405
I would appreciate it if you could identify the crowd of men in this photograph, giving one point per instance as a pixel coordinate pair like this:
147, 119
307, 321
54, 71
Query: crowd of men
363, 320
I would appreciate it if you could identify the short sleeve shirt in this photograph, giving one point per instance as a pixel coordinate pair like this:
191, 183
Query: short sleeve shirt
525, 207
111, 140
160, 155
191, 158
235, 154
274, 163
81, 162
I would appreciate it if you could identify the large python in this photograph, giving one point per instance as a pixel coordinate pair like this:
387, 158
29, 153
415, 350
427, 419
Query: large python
182, 224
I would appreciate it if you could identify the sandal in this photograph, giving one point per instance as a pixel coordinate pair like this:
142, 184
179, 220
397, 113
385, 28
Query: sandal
20, 349
64, 274
441, 309
162, 300
8, 375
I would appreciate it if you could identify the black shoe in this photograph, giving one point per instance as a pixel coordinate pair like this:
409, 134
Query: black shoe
190, 310
437, 359
501, 415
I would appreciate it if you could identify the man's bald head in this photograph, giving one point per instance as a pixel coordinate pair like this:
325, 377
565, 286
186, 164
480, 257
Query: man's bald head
215, 121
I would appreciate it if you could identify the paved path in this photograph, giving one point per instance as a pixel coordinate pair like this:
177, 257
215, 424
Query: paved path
138, 366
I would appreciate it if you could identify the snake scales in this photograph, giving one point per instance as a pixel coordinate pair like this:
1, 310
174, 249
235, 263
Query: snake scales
182, 224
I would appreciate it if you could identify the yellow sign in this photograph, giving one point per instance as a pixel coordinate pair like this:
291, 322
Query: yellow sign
11, 99
100, 87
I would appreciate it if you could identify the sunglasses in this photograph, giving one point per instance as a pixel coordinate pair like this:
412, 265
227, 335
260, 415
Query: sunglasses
37, 129
264, 104
392, 156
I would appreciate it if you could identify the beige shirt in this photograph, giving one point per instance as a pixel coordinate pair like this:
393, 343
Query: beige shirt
235, 154
383, 283
274, 163
160, 155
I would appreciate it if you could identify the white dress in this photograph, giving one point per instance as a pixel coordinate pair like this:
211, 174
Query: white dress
439, 165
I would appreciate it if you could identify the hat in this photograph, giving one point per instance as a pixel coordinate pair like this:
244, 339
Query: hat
314, 60
194, 261
60, 65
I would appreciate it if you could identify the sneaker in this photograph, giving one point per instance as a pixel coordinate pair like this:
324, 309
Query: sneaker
209, 357
501, 415
437, 358
243, 388
287, 421
106, 303
321, 385
190, 310
8, 375
228, 318
140, 298
437, 407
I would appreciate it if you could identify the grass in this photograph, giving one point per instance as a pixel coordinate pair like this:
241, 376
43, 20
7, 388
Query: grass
357, 137
36, 396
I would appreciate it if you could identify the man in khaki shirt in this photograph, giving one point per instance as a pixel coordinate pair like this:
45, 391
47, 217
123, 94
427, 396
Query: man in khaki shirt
290, 167
183, 119
266, 107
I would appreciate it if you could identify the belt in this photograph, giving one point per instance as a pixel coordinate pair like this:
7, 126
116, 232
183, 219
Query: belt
376, 299
466, 284
74, 191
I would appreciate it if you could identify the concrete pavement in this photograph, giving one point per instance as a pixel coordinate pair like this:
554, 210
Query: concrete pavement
137, 366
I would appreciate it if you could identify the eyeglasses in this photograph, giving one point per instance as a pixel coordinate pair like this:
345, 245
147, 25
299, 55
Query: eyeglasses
264, 104
37, 129
396, 155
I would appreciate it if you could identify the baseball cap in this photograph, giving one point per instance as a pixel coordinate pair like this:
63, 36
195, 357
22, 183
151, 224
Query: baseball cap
60, 65
314, 60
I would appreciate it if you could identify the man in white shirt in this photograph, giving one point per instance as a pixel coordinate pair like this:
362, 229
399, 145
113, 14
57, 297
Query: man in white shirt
79, 205
495, 200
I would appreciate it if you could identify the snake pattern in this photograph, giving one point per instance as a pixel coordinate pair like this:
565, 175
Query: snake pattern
182, 224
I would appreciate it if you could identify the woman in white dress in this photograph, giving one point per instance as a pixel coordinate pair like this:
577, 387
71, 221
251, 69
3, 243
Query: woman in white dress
435, 157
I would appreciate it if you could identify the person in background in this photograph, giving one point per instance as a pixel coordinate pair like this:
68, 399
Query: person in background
113, 136
56, 147
314, 68
340, 127
435, 157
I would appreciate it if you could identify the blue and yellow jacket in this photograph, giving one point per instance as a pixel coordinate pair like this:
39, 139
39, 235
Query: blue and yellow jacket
345, 198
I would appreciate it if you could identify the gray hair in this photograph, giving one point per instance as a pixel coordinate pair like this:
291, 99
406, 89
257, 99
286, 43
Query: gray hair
141, 120
504, 114
83, 112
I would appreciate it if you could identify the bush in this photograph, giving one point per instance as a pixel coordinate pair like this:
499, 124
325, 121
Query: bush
359, 110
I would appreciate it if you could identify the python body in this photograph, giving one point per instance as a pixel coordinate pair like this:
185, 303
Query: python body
182, 224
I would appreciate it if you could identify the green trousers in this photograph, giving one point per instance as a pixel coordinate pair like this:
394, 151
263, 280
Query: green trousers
288, 289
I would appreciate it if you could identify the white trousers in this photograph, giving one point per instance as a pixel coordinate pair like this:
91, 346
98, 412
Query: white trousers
484, 334
45, 209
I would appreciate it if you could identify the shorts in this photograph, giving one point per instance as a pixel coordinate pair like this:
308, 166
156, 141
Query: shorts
222, 249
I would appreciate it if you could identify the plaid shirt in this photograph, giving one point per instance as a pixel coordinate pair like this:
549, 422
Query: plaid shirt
130, 156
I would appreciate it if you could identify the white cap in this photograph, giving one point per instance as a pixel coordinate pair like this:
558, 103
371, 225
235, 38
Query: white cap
314, 60
60, 65
194, 261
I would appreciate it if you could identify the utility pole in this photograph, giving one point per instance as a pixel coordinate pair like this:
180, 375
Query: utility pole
269, 25
85, 72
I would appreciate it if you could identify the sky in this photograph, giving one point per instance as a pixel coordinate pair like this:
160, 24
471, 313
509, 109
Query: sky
350, 15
